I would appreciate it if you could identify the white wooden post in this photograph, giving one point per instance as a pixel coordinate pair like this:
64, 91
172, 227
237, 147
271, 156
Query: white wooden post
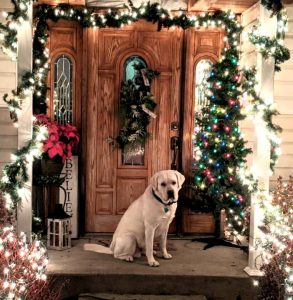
24, 63
261, 147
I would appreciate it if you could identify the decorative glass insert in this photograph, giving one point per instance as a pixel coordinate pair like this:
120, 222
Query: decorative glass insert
202, 73
63, 90
129, 71
132, 154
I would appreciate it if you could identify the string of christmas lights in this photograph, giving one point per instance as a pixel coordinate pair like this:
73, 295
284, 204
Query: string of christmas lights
264, 111
276, 242
22, 265
272, 47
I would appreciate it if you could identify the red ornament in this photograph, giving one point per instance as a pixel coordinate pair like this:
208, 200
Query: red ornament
227, 155
215, 126
227, 129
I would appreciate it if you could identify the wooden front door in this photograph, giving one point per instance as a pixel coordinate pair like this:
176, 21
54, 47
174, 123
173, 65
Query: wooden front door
112, 183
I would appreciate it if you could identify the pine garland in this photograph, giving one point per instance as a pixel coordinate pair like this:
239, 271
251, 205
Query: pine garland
274, 5
272, 47
266, 112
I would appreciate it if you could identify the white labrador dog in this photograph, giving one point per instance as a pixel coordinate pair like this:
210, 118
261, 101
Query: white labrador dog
147, 218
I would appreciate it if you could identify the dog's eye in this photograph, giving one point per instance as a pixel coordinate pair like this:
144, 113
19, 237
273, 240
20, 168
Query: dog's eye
173, 182
163, 184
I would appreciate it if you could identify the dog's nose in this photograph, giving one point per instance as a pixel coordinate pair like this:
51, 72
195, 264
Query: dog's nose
170, 194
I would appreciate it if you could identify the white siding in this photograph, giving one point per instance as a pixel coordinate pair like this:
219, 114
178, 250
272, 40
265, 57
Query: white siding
8, 81
284, 99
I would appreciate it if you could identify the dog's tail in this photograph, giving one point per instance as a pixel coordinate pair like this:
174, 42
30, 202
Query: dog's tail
97, 248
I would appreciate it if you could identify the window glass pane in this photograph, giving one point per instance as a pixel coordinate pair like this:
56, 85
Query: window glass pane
129, 71
202, 73
133, 154
63, 105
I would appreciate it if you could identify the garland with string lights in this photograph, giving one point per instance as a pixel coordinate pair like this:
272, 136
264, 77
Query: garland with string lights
264, 111
8, 32
272, 47
35, 81
276, 246
274, 5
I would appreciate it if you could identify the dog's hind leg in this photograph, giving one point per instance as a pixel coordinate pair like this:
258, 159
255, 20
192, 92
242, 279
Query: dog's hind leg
125, 247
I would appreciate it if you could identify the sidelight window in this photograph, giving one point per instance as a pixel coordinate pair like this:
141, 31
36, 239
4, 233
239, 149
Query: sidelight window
202, 72
63, 90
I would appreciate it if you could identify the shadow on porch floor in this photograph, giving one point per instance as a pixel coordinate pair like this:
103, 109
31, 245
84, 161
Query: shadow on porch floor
216, 273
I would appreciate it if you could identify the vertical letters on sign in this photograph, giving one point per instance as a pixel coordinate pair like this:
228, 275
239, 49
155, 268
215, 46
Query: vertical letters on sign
69, 192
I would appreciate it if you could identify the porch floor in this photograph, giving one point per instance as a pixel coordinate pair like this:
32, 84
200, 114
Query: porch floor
216, 273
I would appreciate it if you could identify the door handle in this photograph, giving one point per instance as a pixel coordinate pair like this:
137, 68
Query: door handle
175, 148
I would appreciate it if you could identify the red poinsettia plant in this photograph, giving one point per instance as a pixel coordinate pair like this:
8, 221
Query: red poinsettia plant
61, 138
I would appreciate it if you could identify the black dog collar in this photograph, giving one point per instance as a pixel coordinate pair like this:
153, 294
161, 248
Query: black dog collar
161, 201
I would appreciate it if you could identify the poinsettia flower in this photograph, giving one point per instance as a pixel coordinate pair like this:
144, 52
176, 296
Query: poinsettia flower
61, 138
57, 149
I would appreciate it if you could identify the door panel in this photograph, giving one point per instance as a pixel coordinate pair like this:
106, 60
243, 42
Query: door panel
199, 45
110, 185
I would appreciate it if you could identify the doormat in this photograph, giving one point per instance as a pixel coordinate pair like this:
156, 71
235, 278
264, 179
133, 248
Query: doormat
107, 242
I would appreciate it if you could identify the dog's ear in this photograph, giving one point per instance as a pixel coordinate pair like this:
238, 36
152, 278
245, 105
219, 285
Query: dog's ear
154, 181
180, 179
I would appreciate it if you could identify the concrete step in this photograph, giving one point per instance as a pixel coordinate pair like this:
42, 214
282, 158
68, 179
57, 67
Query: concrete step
216, 273
139, 297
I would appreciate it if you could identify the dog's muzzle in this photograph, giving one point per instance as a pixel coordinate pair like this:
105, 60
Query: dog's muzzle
170, 194
161, 201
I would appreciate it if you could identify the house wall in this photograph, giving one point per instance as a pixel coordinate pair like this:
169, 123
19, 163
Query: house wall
8, 81
284, 99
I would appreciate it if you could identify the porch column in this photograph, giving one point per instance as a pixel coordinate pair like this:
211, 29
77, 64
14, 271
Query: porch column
261, 146
24, 64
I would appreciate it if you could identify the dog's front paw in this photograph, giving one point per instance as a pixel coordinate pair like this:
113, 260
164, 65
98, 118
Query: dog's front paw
167, 255
153, 263
128, 258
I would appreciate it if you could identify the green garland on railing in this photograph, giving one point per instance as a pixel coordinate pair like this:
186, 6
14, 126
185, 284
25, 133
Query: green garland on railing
15, 174
8, 32
272, 47
274, 5
266, 112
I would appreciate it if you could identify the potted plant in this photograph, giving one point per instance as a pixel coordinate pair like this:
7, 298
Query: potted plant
59, 145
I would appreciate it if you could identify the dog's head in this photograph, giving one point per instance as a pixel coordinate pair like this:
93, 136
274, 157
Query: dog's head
166, 184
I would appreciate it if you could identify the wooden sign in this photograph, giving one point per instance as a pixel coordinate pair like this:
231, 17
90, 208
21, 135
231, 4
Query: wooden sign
68, 196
